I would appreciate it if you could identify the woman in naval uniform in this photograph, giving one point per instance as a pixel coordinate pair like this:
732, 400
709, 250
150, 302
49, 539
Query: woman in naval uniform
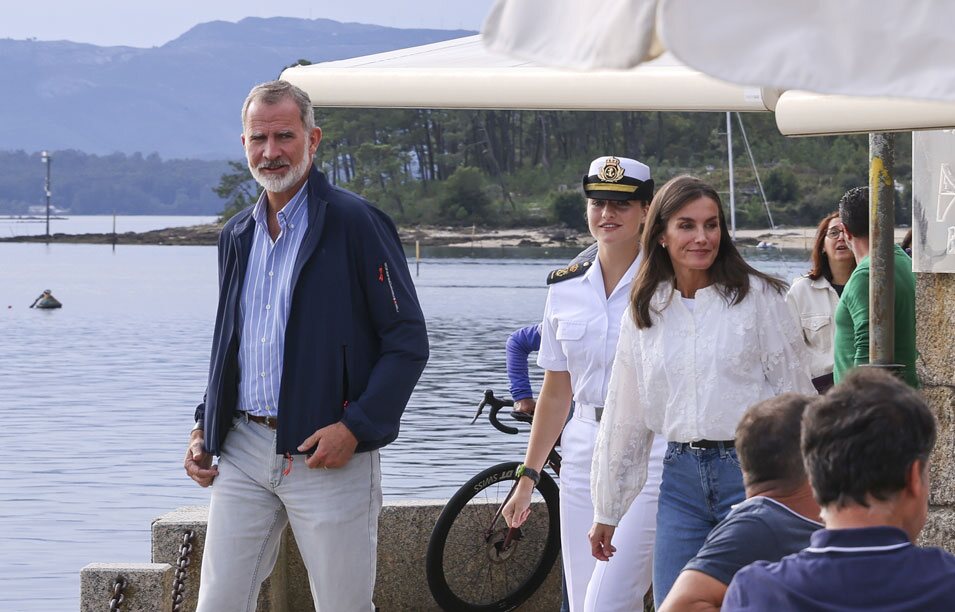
579, 332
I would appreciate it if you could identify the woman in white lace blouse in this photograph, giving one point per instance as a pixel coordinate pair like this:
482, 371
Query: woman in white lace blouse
705, 336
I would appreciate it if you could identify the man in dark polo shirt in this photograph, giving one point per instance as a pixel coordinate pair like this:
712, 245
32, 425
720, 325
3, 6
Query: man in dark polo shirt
866, 445
777, 518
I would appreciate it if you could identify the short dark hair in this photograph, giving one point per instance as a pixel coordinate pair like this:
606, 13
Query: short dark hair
767, 440
854, 211
861, 438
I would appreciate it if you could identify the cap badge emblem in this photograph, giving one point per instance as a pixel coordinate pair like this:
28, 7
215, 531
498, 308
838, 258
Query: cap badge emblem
611, 172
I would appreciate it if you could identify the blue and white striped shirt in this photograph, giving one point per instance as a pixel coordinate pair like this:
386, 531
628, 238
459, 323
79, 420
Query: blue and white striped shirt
265, 302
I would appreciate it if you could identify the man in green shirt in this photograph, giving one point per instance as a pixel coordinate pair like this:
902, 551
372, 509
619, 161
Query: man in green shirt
851, 344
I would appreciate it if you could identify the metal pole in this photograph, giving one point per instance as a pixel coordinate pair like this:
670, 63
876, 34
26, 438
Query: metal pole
881, 249
49, 162
729, 157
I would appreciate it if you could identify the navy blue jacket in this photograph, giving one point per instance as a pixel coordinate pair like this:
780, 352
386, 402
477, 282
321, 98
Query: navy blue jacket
355, 343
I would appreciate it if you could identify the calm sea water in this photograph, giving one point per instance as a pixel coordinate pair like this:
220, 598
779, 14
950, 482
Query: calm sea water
94, 224
96, 399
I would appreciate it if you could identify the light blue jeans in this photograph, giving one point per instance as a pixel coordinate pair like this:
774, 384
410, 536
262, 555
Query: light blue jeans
698, 489
333, 514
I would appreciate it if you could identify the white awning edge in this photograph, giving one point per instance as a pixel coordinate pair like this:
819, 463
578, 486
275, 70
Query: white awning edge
526, 89
801, 113
461, 74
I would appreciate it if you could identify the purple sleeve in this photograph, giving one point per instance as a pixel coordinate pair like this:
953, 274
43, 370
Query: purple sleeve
520, 344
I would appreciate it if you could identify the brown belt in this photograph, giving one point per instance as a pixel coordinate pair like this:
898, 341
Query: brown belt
269, 421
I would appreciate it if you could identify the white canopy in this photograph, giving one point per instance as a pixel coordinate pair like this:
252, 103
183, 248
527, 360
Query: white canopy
846, 47
800, 113
461, 73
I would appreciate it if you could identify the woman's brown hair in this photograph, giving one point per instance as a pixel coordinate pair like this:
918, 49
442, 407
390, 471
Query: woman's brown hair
729, 272
820, 261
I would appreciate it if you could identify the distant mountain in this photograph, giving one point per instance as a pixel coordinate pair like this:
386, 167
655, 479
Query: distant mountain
180, 100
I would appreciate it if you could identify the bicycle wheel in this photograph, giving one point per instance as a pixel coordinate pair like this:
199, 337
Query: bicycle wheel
467, 568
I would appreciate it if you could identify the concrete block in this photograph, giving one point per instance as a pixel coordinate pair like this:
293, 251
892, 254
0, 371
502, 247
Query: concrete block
148, 586
939, 529
167, 538
942, 463
403, 534
298, 592
935, 322
548, 596
404, 529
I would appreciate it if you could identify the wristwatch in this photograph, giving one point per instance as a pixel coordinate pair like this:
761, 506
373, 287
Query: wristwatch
198, 425
523, 470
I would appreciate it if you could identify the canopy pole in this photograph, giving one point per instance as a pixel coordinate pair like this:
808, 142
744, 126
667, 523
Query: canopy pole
881, 249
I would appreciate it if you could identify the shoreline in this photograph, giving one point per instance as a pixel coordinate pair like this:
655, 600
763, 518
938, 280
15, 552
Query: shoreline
429, 236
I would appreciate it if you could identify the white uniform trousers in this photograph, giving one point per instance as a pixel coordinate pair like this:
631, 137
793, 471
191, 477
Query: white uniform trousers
620, 583
333, 514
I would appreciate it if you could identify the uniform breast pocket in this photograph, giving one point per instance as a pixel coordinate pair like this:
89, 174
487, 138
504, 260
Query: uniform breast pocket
817, 329
570, 333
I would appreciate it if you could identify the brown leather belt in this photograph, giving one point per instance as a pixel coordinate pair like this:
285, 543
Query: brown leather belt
269, 421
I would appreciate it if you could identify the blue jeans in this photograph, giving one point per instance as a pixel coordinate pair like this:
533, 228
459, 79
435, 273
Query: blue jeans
698, 490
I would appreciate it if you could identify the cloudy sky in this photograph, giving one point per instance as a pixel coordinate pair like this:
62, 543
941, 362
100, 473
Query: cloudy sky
146, 23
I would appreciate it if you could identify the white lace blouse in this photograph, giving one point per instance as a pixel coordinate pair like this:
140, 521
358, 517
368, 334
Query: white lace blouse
689, 377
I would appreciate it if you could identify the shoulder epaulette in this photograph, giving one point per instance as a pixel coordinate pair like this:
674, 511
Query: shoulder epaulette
572, 271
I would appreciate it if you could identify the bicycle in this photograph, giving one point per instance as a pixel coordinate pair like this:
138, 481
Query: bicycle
475, 562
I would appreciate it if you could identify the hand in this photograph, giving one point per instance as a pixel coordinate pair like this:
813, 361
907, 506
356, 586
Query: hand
526, 405
518, 507
336, 445
198, 462
600, 546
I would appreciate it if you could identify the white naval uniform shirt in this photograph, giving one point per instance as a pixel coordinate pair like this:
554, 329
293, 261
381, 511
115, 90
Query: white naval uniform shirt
580, 329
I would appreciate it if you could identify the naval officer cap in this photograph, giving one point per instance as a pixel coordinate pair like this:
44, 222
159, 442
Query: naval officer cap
618, 178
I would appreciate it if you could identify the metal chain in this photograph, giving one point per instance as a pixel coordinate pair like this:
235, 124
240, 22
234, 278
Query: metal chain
179, 582
119, 585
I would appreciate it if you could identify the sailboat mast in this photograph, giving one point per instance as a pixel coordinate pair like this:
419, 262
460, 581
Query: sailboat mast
752, 161
729, 156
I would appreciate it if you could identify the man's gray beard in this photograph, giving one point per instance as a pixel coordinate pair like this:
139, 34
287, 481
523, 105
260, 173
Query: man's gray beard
278, 184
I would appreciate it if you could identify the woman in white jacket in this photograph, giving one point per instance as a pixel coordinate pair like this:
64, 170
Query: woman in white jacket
705, 336
813, 297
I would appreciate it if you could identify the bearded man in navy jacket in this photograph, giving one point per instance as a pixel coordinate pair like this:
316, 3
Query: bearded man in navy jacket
319, 341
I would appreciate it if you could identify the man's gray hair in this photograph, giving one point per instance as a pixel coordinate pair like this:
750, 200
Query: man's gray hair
274, 92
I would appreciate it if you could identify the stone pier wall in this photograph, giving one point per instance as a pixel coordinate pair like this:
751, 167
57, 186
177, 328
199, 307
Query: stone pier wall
401, 584
935, 311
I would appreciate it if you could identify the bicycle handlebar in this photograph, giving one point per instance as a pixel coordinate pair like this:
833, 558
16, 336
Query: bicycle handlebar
496, 405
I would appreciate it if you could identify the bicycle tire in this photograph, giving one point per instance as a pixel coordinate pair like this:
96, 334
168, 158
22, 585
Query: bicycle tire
465, 568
